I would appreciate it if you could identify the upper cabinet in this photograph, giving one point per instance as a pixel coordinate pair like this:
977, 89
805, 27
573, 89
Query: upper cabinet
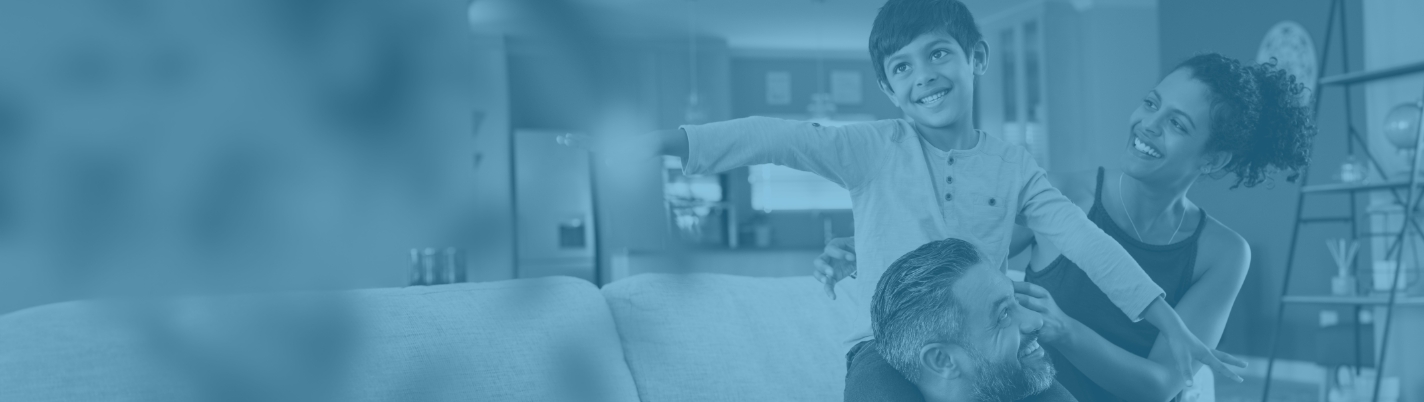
1062, 79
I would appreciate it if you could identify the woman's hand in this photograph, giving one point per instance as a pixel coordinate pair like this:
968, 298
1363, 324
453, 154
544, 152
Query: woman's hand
1056, 324
836, 262
1184, 347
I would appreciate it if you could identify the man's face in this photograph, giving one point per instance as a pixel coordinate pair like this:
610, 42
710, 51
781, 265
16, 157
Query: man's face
931, 79
999, 335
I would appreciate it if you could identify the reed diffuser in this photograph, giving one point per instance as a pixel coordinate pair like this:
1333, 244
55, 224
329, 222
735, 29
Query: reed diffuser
1343, 251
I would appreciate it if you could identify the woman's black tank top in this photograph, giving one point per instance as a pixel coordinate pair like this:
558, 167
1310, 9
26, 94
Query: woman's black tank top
1170, 266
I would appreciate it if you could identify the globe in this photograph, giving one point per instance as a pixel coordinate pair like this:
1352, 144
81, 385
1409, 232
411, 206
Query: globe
1401, 125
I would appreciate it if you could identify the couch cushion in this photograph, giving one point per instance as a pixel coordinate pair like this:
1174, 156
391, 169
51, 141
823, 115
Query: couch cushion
522, 340
711, 337
80, 351
534, 339
527, 339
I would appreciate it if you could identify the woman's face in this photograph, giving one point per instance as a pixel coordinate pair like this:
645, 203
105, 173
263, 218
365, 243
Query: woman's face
1169, 130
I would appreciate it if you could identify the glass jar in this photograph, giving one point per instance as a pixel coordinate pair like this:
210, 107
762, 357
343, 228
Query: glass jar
1353, 169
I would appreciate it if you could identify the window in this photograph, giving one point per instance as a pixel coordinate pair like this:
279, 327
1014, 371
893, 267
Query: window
1022, 89
1034, 134
1009, 75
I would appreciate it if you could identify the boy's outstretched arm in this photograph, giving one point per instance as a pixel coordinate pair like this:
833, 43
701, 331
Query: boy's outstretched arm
847, 155
1109, 266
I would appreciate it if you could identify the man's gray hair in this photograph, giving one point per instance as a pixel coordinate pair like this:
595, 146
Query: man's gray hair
914, 306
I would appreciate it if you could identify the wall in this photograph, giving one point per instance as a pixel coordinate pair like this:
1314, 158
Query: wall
1092, 69
231, 146
492, 250
1108, 68
1391, 39
809, 74
1263, 215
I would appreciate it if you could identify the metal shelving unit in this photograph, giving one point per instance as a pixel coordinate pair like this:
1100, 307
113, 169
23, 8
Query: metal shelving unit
1350, 187
1354, 300
1410, 199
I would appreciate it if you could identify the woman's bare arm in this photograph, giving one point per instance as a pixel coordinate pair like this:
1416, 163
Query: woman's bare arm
1204, 309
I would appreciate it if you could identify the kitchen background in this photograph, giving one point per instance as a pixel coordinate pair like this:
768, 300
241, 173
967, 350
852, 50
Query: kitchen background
173, 149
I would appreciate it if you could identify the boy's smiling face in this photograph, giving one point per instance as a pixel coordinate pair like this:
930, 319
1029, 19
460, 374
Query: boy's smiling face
931, 79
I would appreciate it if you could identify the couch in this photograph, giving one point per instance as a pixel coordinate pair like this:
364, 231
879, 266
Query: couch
649, 337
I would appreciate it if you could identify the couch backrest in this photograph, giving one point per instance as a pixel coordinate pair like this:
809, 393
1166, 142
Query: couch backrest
80, 351
544, 339
547, 339
711, 337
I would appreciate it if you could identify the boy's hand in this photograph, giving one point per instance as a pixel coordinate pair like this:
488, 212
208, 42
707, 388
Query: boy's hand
1055, 323
1186, 349
836, 262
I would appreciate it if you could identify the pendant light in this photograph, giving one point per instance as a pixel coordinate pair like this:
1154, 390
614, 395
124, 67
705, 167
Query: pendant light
694, 113
821, 107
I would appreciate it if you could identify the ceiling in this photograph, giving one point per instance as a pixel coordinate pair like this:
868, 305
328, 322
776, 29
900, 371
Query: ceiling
841, 25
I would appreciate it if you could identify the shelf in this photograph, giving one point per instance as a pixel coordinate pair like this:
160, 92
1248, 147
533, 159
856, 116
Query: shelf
1341, 219
1372, 300
1371, 75
1351, 187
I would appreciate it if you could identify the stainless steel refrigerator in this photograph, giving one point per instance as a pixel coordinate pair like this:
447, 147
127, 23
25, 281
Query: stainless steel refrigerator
553, 204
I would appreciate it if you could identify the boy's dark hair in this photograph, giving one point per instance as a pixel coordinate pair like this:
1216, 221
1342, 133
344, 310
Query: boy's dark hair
1257, 116
914, 304
900, 21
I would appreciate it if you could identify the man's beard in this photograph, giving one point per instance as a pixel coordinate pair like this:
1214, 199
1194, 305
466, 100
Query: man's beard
1010, 379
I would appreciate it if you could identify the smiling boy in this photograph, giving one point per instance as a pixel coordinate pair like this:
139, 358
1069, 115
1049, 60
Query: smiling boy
929, 175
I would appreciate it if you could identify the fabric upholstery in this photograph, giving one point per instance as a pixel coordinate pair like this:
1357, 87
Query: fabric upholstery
711, 337
80, 351
547, 339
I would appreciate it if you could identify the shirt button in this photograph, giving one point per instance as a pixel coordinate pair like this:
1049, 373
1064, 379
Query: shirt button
951, 161
815, 124
992, 202
949, 180
948, 197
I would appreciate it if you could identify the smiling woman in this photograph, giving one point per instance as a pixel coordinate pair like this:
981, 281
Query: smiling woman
1226, 117
1211, 116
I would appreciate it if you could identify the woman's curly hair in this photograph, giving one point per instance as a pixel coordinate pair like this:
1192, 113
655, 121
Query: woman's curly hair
1258, 117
